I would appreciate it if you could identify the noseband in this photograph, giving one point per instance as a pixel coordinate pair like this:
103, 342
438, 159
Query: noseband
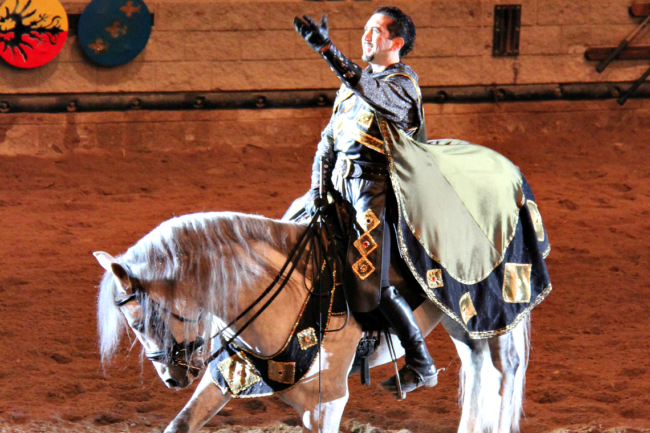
178, 354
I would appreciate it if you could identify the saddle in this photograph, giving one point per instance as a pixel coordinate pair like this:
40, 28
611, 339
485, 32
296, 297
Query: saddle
372, 323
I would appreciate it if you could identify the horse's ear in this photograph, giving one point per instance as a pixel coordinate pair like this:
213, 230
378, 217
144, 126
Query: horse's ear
122, 276
108, 262
104, 259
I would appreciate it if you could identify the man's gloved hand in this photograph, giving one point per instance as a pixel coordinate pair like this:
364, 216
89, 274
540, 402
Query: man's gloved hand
317, 36
313, 202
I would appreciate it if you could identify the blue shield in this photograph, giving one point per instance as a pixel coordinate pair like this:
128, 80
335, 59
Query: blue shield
114, 32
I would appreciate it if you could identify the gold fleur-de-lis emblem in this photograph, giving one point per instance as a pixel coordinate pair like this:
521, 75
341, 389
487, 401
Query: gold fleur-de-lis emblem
129, 9
98, 46
115, 30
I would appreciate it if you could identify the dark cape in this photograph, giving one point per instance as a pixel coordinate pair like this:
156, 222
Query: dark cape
469, 230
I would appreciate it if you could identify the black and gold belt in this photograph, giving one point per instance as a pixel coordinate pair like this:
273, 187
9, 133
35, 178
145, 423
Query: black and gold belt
352, 169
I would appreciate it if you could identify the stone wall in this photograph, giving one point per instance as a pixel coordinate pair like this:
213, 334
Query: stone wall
538, 126
211, 45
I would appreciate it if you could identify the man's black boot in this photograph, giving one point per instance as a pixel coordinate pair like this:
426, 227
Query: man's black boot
419, 369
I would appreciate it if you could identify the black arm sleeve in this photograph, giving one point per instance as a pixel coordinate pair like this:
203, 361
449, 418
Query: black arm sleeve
325, 152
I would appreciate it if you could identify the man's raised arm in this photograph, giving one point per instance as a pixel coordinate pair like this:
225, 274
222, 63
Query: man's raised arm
396, 98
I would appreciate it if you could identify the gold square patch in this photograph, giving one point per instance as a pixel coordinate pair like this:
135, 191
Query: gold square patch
516, 283
365, 244
434, 278
347, 105
238, 372
368, 221
364, 120
338, 125
307, 338
363, 268
467, 307
283, 372
537, 220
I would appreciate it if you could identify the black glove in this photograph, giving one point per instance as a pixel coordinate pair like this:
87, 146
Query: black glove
313, 202
317, 36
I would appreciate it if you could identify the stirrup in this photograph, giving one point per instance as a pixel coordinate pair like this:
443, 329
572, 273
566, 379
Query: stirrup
410, 380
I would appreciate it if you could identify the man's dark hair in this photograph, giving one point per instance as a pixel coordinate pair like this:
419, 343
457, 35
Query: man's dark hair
401, 27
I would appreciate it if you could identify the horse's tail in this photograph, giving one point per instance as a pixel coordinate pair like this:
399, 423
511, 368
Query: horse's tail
479, 393
521, 336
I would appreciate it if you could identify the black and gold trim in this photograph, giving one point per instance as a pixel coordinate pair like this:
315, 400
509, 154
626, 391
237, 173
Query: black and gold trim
345, 125
368, 221
363, 268
365, 139
537, 220
307, 338
287, 367
238, 372
434, 278
365, 244
516, 283
477, 324
283, 372
467, 309
364, 119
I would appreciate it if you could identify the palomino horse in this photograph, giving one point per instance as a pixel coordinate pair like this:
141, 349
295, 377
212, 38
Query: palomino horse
192, 274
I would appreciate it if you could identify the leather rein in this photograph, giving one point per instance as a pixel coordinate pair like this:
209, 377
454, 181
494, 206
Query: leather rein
179, 353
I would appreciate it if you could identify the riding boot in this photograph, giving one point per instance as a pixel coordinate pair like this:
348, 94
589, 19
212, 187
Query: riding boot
419, 369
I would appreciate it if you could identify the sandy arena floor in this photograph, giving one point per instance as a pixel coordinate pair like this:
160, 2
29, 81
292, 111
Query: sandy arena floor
589, 364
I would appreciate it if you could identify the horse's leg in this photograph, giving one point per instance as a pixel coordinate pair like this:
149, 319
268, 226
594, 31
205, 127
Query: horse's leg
206, 401
331, 384
510, 355
479, 381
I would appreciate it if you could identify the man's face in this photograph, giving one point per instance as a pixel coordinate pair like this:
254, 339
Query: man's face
376, 42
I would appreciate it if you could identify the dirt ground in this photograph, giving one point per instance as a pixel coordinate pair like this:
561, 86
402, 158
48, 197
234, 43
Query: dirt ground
588, 370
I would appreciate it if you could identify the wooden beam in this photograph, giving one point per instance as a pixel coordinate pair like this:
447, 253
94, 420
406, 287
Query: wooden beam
640, 52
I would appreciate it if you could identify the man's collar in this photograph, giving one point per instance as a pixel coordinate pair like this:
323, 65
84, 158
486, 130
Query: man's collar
388, 68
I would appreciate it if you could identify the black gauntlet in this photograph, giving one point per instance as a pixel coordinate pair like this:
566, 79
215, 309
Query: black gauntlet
317, 36
348, 71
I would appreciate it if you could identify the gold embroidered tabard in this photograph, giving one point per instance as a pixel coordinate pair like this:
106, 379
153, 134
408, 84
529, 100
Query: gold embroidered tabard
355, 122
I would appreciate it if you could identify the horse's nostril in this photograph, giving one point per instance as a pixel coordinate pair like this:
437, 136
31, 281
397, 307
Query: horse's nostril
171, 383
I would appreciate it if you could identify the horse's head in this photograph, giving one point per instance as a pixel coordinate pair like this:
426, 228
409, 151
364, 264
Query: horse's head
163, 333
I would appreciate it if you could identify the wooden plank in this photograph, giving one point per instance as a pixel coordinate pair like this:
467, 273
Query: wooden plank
640, 10
639, 52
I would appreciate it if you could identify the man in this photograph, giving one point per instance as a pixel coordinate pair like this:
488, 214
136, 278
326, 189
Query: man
354, 165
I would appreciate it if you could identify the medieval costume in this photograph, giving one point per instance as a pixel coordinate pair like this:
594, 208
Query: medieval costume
463, 216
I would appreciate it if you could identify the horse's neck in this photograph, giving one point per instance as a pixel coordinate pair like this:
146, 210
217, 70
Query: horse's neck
269, 331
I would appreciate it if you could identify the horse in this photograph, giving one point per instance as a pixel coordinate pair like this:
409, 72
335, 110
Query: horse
192, 274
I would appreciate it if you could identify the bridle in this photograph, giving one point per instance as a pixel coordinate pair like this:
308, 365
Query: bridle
178, 354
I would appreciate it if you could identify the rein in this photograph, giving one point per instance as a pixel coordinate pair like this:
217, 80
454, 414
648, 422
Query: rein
178, 353
297, 251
